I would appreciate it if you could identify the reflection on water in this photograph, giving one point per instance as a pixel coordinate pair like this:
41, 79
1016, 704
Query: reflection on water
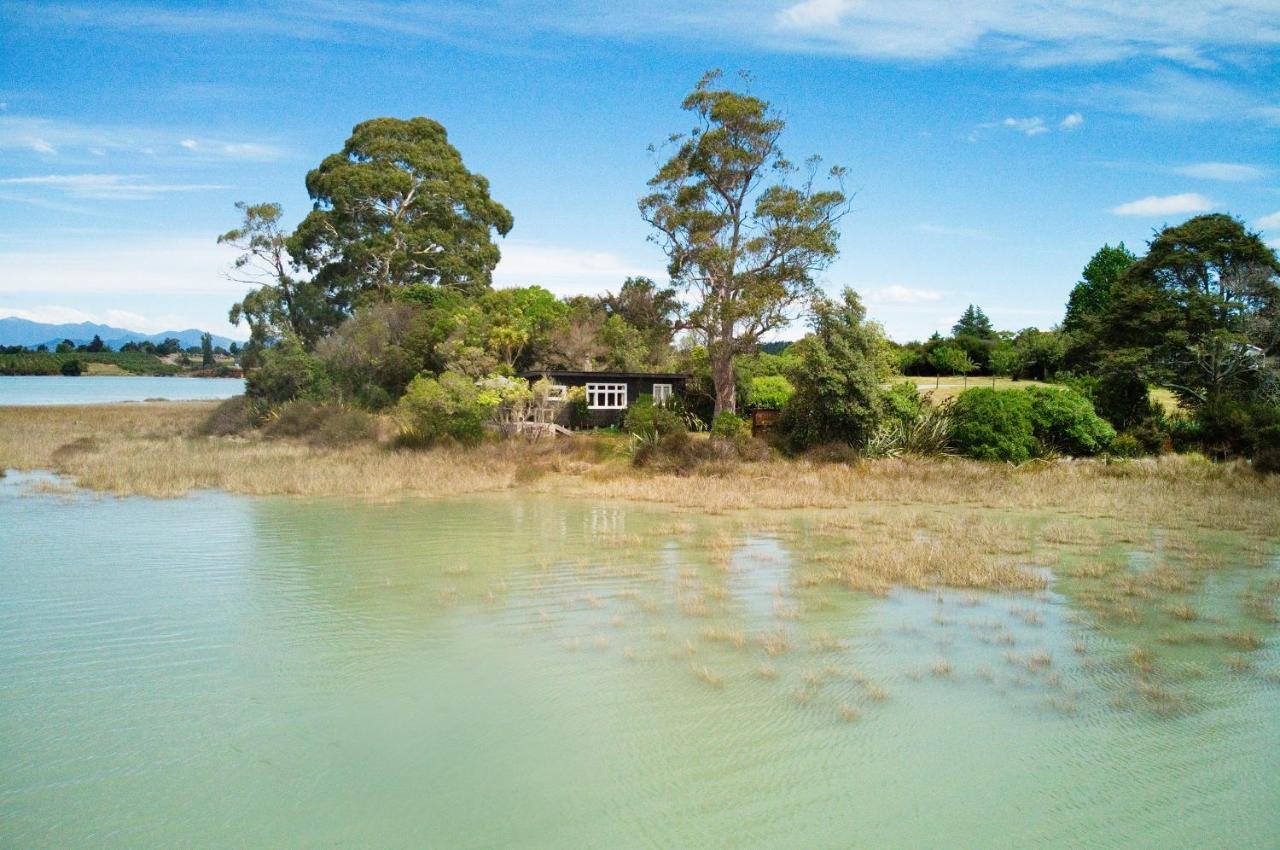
536, 672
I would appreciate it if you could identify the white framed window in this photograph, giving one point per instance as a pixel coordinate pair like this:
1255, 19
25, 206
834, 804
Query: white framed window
557, 392
661, 393
606, 396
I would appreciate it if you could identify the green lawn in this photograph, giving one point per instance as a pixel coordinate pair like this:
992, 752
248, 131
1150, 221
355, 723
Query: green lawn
946, 388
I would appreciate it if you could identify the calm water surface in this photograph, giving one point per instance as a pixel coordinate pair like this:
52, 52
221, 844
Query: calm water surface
101, 389
525, 671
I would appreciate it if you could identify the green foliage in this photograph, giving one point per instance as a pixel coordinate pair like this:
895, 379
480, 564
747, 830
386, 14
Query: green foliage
951, 360
746, 248
397, 207
1200, 313
838, 398
729, 426
651, 421
1064, 421
71, 368
924, 431
1017, 425
994, 425
769, 392
373, 355
1039, 354
286, 372
448, 409
1091, 297
974, 323
1266, 454
206, 350
903, 401
280, 304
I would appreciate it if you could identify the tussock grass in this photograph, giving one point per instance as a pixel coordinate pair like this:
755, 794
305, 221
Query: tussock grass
153, 449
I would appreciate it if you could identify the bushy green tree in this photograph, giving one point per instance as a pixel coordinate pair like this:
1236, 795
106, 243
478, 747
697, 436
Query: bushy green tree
838, 394
287, 371
1091, 297
994, 425
397, 207
1064, 420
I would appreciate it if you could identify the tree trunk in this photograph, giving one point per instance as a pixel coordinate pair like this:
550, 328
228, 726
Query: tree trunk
726, 386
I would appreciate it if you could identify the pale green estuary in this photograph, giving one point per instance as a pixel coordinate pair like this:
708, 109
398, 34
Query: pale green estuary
532, 672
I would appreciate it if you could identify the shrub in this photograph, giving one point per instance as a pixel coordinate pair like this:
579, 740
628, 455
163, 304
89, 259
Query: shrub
1127, 445
287, 372
927, 433
651, 421
838, 394
728, 426
450, 408
321, 423
994, 425
904, 402
769, 392
1065, 421
233, 416
71, 368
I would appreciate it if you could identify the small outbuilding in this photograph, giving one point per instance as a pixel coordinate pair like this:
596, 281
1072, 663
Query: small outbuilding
609, 394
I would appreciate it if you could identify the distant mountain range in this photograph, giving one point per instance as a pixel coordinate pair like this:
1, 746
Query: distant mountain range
15, 331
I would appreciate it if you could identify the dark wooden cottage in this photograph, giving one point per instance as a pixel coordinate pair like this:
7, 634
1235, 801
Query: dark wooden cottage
609, 394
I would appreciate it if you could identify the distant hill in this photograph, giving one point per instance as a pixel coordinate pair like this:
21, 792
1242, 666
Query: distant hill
15, 331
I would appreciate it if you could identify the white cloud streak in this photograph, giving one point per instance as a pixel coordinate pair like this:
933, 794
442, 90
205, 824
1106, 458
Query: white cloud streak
1231, 172
1156, 205
124, 187
898, 294
191, 264
52, 137
1269, 222
1030, 32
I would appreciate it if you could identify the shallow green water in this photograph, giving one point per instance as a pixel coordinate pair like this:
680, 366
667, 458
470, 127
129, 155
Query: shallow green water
524, 671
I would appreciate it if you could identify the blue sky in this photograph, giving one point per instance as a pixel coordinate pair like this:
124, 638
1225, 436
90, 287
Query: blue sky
992, 149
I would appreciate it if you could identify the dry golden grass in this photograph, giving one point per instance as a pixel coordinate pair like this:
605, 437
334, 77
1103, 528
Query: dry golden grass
150, 449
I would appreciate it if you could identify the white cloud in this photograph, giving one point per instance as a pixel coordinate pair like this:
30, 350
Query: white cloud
949, 230
1153, 205
169, 266
1267, 222
1227, 171
125, 187
1274, 243
52, 136
1168, 94
897, 294
565, 271
1072, 121
1028, 126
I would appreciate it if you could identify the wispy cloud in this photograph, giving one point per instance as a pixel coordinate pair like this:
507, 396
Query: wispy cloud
53, 137
1187, 32
952, 230
1154, 205
1169, 94
1269, 222
565, 271
1030, 126
127, 187
57, 314
898, 294
1231, 172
